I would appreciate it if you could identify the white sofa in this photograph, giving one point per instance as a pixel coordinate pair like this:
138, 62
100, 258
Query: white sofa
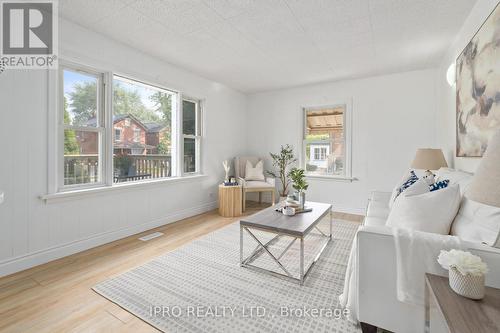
376, 271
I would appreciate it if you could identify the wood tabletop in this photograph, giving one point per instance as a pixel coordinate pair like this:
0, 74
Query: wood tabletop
462, 314
297, 225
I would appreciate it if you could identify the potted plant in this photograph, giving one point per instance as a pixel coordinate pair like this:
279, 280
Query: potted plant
122, 164
300, 184
282, 162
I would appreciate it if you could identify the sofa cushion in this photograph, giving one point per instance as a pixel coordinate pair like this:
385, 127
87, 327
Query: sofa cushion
374, 221
429, 212
461, 178
421, 186
477, 223
439, 185
405, 183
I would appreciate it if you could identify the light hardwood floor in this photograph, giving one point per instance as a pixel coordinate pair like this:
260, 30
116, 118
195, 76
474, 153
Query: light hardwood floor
57, 296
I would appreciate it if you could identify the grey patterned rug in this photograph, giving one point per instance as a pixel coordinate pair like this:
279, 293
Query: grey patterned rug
200, 287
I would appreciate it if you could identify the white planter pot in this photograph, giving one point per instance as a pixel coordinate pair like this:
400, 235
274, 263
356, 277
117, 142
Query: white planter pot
469, 286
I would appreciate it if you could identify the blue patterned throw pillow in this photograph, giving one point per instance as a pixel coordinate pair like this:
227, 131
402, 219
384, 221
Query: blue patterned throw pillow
409, 182
439, 185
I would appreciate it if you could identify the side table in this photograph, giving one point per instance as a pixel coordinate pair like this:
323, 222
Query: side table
230, 200
446, 311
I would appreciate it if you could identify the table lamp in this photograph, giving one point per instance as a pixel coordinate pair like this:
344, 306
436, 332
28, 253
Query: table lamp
429, 159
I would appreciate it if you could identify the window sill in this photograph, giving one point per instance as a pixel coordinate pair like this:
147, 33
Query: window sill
117, 188
333, 178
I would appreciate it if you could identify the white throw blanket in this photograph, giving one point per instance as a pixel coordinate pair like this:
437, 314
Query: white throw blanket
416, 254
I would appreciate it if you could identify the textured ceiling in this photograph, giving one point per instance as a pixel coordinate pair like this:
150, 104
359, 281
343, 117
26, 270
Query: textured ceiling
257, 45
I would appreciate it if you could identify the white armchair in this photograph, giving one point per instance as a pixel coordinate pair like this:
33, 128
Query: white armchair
248, 186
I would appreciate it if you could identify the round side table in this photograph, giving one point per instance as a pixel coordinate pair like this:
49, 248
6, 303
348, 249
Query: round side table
230, 200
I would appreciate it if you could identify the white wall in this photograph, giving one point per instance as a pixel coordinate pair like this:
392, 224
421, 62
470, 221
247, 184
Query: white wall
393, 115
32, 232
446, 117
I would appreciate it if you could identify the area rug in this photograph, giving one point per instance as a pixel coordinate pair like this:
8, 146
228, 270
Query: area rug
201, 287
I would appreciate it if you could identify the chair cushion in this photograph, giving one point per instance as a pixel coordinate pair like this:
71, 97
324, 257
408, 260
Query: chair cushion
254, 172
240, 163
257, 183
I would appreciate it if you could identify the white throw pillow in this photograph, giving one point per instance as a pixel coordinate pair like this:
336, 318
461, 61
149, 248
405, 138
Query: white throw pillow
421, 186
461, 178
429, 212
254, 173
477, 223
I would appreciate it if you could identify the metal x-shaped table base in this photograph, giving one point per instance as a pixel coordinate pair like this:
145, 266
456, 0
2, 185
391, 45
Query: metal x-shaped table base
261, 247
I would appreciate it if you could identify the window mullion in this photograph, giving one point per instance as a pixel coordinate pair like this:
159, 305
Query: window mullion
107, 117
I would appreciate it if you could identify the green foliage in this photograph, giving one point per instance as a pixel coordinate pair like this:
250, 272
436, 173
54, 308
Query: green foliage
163, 146
83, 102
122, 162
163, 104
298, 177
130, 103
282, 162
70, 144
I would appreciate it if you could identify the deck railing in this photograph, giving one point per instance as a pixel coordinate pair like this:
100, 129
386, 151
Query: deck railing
157, 166
84, 169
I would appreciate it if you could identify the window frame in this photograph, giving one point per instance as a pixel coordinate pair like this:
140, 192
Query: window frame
198, 137
347, 122
55, 185
100, 129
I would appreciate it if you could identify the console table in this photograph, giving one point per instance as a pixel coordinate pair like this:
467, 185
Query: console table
446, 311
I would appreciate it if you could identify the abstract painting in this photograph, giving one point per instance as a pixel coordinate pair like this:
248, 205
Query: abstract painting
478, 89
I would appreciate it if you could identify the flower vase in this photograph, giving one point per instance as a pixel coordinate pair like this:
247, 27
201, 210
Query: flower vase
470, 286
302, 200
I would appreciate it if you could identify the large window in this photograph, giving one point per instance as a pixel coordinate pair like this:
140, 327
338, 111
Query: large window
115, 129
325, 151
144, 150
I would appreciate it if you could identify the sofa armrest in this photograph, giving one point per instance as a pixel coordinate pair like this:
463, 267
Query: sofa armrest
380, 196
376, 280
376, 272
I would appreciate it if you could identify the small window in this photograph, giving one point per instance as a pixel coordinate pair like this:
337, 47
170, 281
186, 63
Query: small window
118, 134
191, 129
137, 134
324, 147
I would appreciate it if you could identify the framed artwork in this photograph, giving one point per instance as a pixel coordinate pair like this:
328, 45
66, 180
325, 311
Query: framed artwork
478, 89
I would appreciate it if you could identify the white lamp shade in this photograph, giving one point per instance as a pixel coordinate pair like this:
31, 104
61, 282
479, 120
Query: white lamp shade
429, 159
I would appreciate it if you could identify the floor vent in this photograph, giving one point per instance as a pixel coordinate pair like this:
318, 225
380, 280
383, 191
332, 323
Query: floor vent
151, 236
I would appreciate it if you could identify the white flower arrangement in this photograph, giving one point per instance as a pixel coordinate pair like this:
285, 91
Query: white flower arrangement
464, 262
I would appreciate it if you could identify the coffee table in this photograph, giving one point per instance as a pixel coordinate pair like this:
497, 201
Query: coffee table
296, 227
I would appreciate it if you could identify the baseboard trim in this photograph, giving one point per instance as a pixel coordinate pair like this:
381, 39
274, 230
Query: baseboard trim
20, 263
